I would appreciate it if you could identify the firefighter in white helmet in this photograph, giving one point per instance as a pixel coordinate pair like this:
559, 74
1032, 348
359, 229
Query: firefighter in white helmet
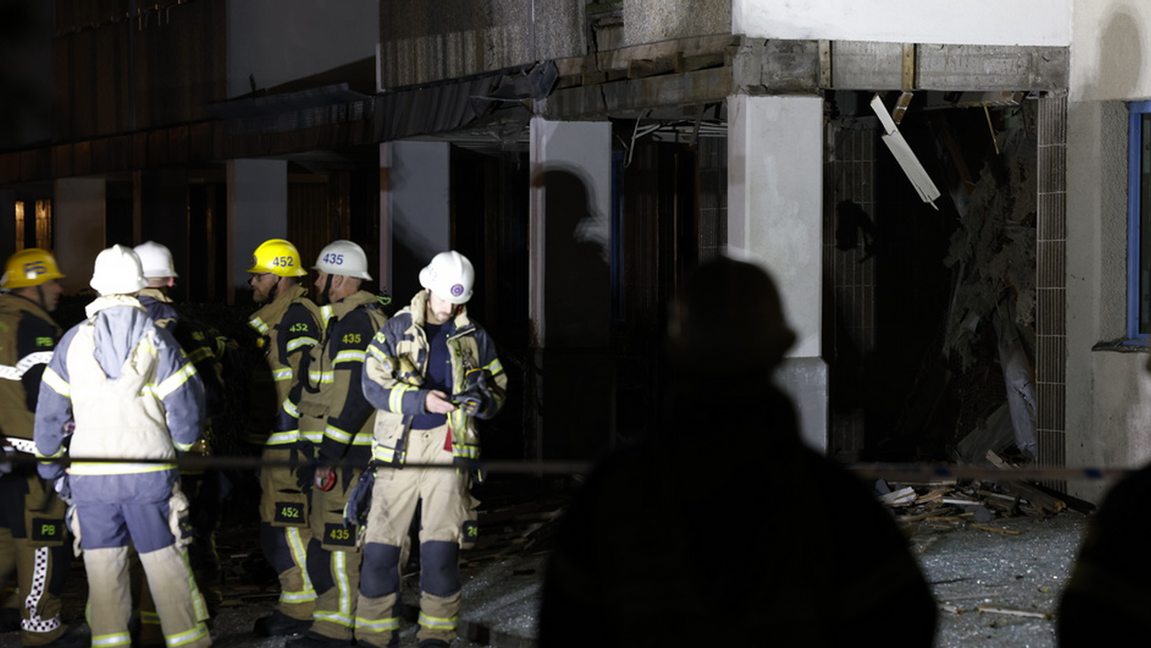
205, 348
33, 545
337, 420
133, 396
431, 372
288, 325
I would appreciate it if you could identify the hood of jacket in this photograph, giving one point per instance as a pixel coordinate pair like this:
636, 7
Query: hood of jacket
119, 322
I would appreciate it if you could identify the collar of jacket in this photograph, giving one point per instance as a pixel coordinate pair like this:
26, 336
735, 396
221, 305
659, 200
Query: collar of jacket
11, 305
274, 311
348, 304
112, 301
155, 293
418, 310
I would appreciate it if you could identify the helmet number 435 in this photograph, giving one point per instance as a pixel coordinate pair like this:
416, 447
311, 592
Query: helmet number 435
334, 259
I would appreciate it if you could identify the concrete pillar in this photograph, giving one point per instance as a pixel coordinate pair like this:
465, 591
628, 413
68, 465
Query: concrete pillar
569, 286
775, 192
415, 211
78, 209
257, 211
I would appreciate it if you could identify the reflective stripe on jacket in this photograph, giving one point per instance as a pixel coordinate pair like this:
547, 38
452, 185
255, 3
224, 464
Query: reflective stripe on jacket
28, 335
332, 395
289, 326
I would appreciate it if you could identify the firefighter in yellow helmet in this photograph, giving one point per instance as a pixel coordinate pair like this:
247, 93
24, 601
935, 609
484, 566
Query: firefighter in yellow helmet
32, 541
288, 325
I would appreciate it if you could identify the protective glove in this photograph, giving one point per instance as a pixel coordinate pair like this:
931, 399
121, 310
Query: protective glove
360, 498
476, 395
303, 460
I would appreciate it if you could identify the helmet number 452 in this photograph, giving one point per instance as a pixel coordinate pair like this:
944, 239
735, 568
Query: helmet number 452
283, 261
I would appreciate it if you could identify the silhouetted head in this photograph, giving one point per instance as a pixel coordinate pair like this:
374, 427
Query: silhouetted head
729, 318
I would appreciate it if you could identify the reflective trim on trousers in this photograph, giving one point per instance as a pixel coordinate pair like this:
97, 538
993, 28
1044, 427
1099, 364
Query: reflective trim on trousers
34, 622
378, 625
438, 623
115, 639
195, 634
299, 557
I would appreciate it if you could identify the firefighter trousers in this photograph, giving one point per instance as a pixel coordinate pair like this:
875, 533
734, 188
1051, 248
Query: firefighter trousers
334, 559
285, 534
105, 530
32, 544
445, 506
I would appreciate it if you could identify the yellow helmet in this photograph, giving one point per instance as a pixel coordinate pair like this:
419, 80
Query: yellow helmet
278, 257
29, 267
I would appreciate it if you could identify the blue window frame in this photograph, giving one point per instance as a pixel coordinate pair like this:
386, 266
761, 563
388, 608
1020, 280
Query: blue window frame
1139, 224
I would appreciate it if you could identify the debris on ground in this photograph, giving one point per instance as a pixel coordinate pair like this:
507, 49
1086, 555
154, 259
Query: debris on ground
951, 503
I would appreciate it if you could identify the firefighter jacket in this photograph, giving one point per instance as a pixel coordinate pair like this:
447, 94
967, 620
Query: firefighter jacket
394, 372
133, 395
289, 326
339, 418
204, 346
27, 337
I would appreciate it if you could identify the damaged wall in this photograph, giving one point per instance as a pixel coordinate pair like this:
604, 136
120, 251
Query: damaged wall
424, 41
652, 21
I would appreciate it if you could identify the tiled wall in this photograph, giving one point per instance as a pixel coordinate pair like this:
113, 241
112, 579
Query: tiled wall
1051, 282
849, 284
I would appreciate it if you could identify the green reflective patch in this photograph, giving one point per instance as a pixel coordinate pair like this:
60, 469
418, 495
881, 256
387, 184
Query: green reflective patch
45, 342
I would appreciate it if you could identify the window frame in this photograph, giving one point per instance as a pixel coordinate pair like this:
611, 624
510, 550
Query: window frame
1136, 111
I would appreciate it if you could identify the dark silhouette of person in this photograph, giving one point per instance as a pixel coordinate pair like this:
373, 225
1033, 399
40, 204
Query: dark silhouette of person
725, 529
1108, 597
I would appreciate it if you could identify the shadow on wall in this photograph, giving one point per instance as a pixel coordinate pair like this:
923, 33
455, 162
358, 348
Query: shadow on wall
577, 290
1120, 58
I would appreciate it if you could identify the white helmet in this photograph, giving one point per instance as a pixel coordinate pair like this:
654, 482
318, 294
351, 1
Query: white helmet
450, 276
343, 258
118, 272
156, 259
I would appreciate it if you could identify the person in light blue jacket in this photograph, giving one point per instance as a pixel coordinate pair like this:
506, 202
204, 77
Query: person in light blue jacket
137, 404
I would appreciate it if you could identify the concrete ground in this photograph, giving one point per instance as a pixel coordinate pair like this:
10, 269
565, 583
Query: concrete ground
994, 588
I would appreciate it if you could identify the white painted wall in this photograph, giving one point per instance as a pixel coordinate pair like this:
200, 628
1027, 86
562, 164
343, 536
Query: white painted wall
1108, 392
1112, 41
276, 41
775, 201
978, 22
775, 218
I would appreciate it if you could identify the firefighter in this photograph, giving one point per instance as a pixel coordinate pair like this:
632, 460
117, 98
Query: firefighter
431, 372
135, 399
32, 538
288, 325
205, 349
672, 541
337, 420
